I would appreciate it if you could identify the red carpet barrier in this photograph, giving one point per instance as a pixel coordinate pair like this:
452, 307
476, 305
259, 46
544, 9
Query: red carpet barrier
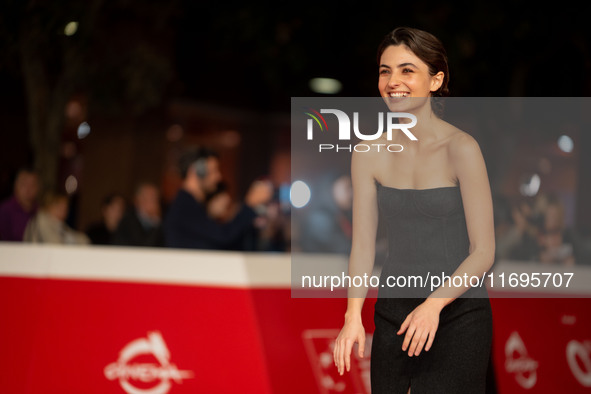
124, 320
542, 344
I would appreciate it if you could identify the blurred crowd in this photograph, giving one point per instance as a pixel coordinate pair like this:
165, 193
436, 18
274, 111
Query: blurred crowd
326, 224
203, 214
535, 229
527, 229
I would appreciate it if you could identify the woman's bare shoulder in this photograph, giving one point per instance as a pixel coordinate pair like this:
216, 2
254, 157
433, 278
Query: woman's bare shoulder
367, 162
461, 144
369, 154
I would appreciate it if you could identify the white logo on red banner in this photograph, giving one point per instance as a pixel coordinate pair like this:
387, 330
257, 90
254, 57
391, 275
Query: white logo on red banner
518, 362
578, 356
146, 373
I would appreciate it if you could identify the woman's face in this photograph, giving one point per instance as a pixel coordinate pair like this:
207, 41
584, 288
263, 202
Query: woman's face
402, 74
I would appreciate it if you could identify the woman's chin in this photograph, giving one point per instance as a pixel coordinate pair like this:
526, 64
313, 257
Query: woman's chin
404, 104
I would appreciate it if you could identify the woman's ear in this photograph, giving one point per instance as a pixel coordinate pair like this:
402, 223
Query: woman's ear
437, 81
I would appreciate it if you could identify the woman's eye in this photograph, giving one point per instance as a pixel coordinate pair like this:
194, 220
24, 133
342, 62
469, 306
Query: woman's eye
407, 70
384, 71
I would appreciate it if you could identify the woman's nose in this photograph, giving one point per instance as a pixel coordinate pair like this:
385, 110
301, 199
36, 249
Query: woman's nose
393, 81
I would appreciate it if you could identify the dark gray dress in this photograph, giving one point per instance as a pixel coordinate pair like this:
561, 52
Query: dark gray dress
426, 230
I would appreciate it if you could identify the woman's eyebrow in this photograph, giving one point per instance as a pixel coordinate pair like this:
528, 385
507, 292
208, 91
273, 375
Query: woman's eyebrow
400, 65
406, 64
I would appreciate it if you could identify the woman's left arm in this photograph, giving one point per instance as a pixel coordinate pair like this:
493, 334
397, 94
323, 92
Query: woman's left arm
468, 163
470, 169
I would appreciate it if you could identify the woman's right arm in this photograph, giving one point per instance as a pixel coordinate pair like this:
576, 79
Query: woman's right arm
361, 260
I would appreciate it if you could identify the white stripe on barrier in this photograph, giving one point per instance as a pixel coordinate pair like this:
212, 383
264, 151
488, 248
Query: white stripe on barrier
227, 269
148, 265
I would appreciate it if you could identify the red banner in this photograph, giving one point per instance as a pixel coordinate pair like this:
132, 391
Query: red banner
191, 331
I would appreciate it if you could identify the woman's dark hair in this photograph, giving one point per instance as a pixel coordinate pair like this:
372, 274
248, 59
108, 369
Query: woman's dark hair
426, 47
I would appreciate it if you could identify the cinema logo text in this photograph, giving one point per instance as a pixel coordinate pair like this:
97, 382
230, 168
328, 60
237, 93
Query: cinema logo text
146, 377
519, 363
578, 356
390, 120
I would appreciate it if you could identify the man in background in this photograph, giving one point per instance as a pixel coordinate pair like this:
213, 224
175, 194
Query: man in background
141, 225
112, 210
16, 211
188, 224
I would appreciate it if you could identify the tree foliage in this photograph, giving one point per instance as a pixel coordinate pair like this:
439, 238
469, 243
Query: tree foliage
118, 58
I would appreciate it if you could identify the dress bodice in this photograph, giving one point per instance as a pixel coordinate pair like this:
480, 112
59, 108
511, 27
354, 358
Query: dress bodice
426, 230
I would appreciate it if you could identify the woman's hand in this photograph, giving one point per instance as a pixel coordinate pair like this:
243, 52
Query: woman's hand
420, 326
351, 332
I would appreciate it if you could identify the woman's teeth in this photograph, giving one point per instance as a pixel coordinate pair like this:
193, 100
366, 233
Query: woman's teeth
399, 94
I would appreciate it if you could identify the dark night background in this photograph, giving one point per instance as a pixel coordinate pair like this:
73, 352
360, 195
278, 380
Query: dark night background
135, 68
154, 77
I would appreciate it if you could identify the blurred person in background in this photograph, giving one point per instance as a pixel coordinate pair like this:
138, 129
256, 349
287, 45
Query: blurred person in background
556, 241
268, 231
274, 225
221, 208
142, 224
273, 228
328, 225
112, 209
49, 224
219, 204
16, 211
188, 224
519, 240
503, 224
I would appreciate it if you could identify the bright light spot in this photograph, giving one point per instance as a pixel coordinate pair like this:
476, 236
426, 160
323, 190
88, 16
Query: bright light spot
83, 130
71, 184
565, 143
71, 28
325, 85
531, 186
299, 194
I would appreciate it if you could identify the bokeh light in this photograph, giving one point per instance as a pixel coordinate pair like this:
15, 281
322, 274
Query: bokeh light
299, 194
71, 28
530, 186
71, 184
83, 130
565, 143
325, 85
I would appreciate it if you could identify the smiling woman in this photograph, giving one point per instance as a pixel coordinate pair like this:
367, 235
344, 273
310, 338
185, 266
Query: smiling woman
434, 199
413, 63
418, 44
